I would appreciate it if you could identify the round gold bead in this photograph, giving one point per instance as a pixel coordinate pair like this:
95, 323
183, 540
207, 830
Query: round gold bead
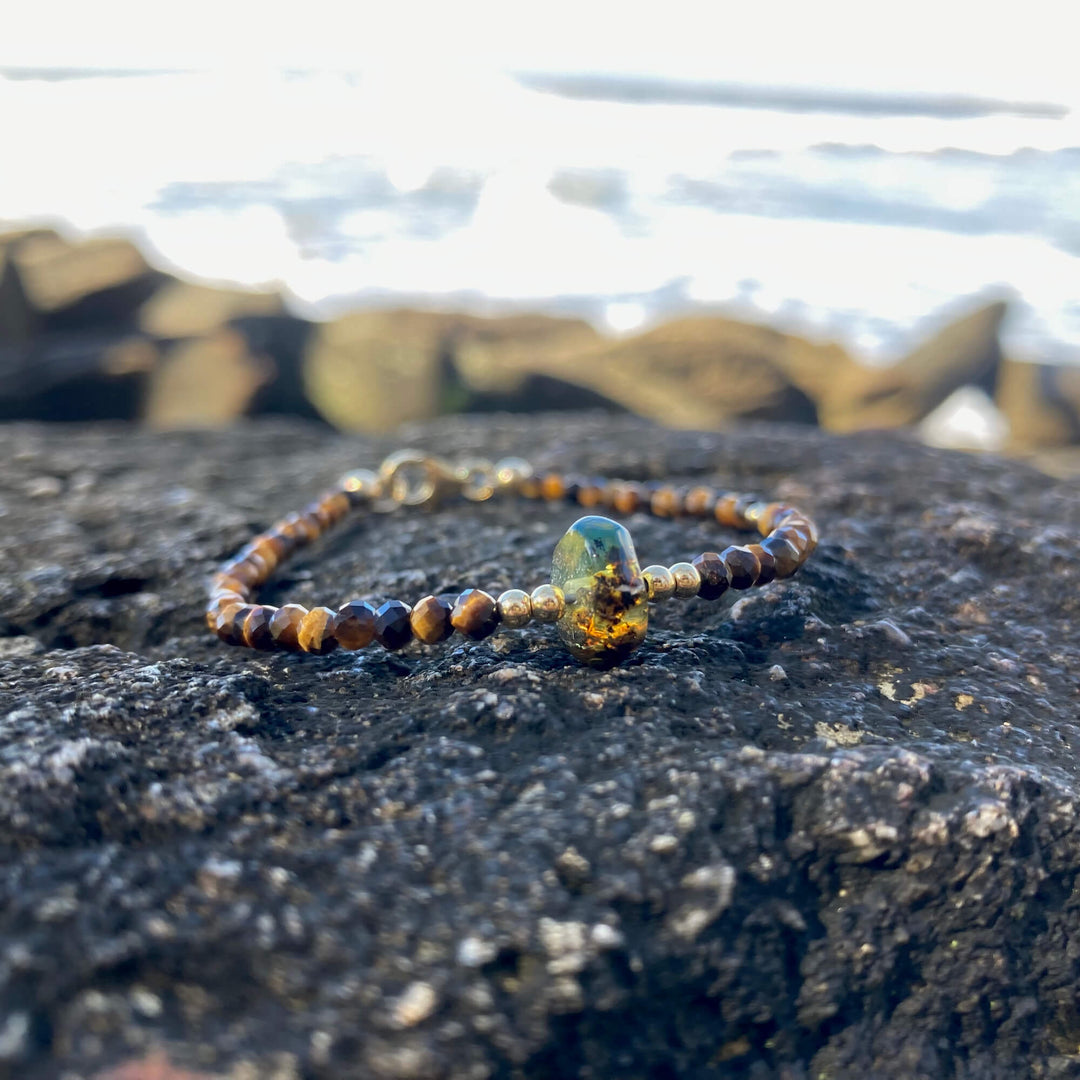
660, 582
361, 484
515, 608
547, 603
512, 472
687, 579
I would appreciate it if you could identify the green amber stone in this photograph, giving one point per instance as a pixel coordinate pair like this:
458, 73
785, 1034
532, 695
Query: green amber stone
607, 608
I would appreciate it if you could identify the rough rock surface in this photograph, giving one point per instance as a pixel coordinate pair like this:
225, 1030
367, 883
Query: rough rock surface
829, 832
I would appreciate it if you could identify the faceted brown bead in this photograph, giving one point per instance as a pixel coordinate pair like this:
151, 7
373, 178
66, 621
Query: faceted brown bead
797, 535
725, 512
335, 505
392, 627
552, 487
666, 502
229, 625
766, 564
714, 575
219, 616
430, 619
355, 625
743, 566
246, 572
257, 628
769, 517
699, 501
784, 553
476, 614
285, 624
592, 493
626, 498
316, 633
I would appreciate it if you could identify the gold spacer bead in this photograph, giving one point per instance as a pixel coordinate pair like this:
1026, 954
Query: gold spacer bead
361, 481
660, 582
511, 473
515, 608
687, 579
547, 603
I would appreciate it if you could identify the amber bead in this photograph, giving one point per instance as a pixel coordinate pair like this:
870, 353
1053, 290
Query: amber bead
476, 614
666, 502
285, 624
552, 487
430, 619
257, 628
699, 501
784, 553
743, 566
392, 627
714, 575
626, 498
530, 487
354, 627
766, 564
725, 513
316, 632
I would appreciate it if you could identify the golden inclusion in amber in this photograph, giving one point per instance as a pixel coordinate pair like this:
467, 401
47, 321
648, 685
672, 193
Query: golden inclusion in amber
607, 609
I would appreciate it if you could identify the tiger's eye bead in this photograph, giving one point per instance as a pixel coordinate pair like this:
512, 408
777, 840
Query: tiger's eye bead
591, 493
316, 633
335, 506
784, 553
392, 627
257, 628
229, 623
724, 511
766, 564
713, 572
515, 608
552, 487
547, 603
430, 619
687, 579
660, 582
285, 625
355, 625
626, 498
743, 566
699, 501
666, 502
475, 614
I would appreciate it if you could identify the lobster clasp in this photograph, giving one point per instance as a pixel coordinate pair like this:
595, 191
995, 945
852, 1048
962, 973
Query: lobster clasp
413, 478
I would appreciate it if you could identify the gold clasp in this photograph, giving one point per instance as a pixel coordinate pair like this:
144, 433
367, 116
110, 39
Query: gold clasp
413, 478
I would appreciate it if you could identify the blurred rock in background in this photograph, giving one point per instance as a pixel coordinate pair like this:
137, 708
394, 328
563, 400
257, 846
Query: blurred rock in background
89, 330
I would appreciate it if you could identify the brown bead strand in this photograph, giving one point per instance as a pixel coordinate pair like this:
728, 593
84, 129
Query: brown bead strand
788, 539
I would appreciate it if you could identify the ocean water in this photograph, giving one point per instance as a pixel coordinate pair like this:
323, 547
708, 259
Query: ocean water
864, 217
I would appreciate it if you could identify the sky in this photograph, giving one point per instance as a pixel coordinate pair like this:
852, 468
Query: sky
934, 45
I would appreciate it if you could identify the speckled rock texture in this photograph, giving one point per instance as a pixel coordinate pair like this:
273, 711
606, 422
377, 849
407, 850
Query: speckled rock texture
830, 831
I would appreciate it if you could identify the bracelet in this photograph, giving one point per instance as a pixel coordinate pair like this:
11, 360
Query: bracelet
598, 595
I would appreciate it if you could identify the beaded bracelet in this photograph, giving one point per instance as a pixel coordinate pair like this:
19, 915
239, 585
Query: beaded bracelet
598, 596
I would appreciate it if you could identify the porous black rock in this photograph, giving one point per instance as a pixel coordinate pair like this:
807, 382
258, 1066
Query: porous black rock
830, 831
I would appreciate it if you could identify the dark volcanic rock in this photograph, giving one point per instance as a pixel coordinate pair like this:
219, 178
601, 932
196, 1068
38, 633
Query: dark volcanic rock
829, 832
